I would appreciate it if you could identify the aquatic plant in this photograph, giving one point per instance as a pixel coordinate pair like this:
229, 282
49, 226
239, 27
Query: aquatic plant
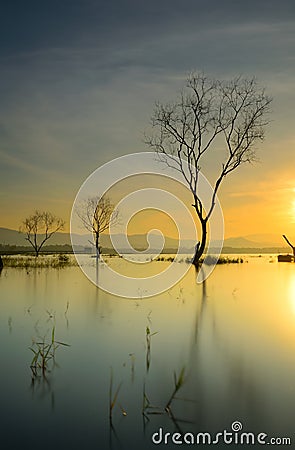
148, 337
148, 407
44, 354
132, 358
164, 258
113, 398
178, 383
43, 261
211, 260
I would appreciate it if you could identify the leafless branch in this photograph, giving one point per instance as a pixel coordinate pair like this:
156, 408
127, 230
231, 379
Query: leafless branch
39, 227
97, 214
205, 111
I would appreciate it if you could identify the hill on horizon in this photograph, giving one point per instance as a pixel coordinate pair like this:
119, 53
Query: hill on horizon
139, 241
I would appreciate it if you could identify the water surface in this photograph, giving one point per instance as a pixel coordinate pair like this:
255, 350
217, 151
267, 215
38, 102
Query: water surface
234, 336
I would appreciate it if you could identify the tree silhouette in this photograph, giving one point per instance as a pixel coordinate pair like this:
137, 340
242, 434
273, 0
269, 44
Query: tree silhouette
97, 214
39, 227
220, 119
289, 243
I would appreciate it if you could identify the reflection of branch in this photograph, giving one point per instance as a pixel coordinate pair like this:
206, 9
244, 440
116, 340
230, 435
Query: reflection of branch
113, 432
132, 366
199, 317
112, 403
149, 409
113, 398
176, 421
178, 383
43, 386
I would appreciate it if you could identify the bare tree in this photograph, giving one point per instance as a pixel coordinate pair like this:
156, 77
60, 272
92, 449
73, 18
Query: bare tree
289, 243
97, 214
227, 117
39, 227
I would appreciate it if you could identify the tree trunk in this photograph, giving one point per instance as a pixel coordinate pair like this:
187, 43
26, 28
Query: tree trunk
292, 246
97, 245
200, 247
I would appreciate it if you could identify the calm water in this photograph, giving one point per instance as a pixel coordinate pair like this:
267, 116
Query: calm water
234, 335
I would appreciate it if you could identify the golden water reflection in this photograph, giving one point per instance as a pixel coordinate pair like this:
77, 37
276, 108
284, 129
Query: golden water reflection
234, 335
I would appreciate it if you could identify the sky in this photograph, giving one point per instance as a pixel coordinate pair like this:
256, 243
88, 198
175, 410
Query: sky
79, 80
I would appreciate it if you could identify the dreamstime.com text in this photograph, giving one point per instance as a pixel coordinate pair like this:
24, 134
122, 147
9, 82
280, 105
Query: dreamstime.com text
235, 436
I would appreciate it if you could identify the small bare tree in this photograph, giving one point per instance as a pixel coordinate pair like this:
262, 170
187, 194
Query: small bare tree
97, 214
39, 227
210, 116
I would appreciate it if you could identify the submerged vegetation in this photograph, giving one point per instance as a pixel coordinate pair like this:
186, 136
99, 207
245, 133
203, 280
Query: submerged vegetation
66, 260
210, 260
43, 261
148, 408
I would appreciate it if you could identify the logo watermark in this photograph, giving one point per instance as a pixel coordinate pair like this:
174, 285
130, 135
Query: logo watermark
133, 170
234, 436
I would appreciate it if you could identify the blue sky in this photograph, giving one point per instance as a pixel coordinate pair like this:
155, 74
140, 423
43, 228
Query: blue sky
79, 80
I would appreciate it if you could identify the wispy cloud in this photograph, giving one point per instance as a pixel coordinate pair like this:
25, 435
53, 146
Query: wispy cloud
75, 97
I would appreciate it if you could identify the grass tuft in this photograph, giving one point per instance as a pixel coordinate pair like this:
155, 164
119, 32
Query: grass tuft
44, 354
43, 261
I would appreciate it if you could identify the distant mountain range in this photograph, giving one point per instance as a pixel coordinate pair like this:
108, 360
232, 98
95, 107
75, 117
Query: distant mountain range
139, 241
255, 241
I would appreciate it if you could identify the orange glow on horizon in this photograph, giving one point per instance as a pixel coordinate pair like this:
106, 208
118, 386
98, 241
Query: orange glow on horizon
268, 206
